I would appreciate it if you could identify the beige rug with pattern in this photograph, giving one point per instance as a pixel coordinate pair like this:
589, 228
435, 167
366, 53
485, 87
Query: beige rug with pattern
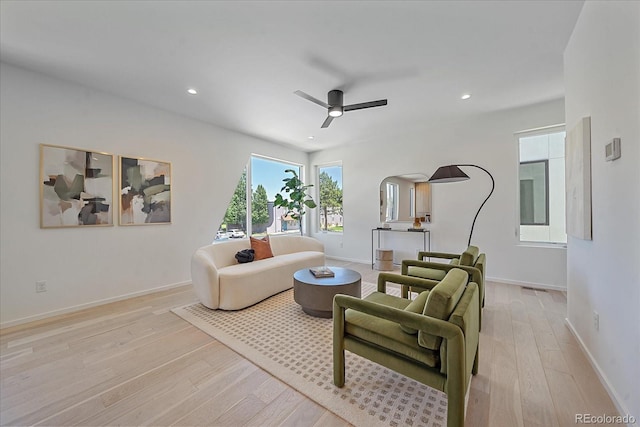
296, 348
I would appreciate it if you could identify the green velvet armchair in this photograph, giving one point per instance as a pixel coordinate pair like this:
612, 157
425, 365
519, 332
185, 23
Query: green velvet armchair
432, 339
471, 261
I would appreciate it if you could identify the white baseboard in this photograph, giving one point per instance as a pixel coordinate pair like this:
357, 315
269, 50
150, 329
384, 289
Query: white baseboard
527, 284
491, 279
622, 409
359, 261
79, 307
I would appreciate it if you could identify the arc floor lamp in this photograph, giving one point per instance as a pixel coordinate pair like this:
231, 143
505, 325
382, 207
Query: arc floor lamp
453, 173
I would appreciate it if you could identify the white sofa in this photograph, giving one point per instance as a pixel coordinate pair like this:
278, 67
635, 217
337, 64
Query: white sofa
220, 282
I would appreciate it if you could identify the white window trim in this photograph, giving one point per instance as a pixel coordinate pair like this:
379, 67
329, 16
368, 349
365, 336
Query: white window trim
249, 192
318, 225
560, 127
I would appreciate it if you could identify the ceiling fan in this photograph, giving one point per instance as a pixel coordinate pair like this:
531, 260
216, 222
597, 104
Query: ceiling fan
334, 104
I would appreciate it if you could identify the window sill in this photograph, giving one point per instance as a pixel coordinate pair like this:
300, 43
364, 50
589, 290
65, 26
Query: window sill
547, 245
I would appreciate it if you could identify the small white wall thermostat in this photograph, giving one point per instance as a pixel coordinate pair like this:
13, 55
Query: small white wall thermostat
612, 150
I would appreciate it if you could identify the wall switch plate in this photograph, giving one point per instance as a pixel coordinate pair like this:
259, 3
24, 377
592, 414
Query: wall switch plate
41, 286
596, 320
612, 150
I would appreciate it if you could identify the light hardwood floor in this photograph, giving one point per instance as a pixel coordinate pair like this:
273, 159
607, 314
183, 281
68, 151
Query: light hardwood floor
135, 363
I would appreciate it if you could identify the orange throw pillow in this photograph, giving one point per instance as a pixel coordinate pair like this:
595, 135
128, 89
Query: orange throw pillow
262, 248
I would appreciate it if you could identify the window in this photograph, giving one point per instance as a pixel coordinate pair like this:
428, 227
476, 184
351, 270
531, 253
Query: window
251, 210
392, 202
534, 192
330, 198
541, 188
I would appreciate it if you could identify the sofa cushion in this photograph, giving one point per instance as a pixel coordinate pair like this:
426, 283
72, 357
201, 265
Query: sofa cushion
441, 301
426, 273
387, 334
262, 248
470, 256
242, 285
415, 306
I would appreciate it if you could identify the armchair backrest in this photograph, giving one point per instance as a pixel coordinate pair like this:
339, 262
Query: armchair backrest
469, 256
441, 302
473, 258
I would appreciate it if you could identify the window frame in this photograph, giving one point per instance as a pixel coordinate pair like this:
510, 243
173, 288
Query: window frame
395, 206
317, 195
249, 192
546, 192
545, 130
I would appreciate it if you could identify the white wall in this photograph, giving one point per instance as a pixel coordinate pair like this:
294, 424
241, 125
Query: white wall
87, 265
602, 78
488, 141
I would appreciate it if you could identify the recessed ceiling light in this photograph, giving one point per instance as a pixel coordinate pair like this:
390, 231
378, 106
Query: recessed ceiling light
310, 137
192, 91
466, 96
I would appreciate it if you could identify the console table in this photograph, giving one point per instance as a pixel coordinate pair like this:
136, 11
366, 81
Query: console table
426, 239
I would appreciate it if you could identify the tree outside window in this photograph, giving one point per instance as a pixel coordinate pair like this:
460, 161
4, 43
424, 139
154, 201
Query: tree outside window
330, 198
251, 210
259, 210
236, 214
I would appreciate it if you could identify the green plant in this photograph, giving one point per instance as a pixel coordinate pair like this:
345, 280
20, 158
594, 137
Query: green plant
297, 197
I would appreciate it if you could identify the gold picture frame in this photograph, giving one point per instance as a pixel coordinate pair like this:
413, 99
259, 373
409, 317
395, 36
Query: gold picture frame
145, 191
76, 187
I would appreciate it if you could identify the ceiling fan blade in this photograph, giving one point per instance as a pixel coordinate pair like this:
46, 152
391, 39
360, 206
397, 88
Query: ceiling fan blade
311, 98
370, 104
327, 122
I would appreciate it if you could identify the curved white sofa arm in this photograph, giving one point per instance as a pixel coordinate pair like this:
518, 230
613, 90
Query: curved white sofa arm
220, 282
203, 273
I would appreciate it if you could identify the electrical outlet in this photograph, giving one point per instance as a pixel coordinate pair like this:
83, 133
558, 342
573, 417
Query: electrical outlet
596, 320
41, 286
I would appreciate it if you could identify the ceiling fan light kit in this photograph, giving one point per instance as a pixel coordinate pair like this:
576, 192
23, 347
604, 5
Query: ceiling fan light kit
335, 104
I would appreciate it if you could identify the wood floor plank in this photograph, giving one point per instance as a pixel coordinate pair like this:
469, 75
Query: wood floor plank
329, 419
560, 329
306, 413
478, 408
595, 396
537, 406
179, 409
277, 410
549, 303
505, 407
482, 380
224, 400
240, 413
567, 399
114, 374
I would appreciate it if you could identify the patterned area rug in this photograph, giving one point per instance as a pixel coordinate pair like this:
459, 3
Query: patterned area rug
296, 348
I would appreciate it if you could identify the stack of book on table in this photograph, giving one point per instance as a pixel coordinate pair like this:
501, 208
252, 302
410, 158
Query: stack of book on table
322, 272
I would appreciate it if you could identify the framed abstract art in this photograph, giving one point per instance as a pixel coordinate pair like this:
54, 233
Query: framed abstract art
145, 191
76, 187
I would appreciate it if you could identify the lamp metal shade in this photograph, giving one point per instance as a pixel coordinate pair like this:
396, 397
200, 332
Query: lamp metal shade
449, 173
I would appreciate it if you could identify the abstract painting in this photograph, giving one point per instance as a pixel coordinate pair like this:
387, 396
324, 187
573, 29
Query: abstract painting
578, 179
145, 191
76, 187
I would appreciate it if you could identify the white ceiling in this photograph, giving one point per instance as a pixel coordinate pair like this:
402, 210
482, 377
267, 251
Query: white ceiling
247, 58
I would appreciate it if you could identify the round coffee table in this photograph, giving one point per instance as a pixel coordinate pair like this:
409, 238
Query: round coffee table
315, 294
